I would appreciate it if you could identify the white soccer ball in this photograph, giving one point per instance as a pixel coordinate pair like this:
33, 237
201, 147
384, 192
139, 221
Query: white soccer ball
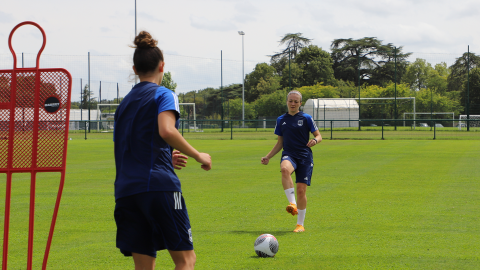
266, 245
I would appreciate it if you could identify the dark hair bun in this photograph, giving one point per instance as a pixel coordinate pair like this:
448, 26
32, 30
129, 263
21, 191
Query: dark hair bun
145, 40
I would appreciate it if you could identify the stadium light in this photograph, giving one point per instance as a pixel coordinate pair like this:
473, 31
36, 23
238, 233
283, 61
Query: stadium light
241, 33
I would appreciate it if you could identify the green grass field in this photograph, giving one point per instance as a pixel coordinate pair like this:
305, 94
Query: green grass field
373, 204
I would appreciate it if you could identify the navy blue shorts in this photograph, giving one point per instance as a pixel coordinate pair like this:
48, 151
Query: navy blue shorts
152, 221
303, 169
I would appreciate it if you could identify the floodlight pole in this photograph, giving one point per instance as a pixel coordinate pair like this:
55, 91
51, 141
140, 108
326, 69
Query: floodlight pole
358, 84
221, 83
395, 116
243, 79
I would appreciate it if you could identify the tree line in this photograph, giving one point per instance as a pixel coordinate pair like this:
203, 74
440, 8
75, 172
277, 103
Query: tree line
365, 67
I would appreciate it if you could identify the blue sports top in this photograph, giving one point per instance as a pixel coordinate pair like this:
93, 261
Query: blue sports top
143, 159
295, 130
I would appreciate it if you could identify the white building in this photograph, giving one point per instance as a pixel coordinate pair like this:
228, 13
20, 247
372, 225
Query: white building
325, 109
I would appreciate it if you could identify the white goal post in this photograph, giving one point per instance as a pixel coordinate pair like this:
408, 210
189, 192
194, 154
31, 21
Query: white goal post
194, 114
99, 113
99, 116
425, 113
473, 119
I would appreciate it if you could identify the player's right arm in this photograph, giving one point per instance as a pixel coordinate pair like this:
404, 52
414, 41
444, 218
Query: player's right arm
168, 132
276, 148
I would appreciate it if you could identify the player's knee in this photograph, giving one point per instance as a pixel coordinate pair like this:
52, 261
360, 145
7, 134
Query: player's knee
187, 262
285, 170
301, 191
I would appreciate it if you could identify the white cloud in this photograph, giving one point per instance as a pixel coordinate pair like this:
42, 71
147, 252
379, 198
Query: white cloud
211, 25
6, 17
200, 29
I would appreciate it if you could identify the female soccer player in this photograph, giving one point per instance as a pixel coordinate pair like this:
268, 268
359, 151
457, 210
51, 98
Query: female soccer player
293, 130
150, 211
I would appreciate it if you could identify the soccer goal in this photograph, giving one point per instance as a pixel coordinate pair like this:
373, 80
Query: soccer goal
473, 119
105, 117
186, 113
418, 116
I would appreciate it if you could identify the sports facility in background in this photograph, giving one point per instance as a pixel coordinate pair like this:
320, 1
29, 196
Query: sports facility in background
229, 99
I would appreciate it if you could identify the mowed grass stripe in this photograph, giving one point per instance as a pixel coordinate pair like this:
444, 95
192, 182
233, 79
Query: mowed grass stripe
372, 205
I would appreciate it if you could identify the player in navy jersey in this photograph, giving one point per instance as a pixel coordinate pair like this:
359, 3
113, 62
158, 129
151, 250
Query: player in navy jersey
293, 130
150, 211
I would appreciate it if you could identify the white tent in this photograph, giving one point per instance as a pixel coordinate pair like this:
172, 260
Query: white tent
77, 115
325, 109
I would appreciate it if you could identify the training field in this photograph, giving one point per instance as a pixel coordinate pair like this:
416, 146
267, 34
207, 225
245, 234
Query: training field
373, 204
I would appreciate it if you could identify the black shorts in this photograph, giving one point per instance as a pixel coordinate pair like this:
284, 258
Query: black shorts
152, 221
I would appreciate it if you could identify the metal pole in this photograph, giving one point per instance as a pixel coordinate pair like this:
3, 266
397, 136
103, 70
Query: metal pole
100, 93
243, 85
89, 91
81, 100
221, 83
358, 75
22, 61
468, 89
395, 116
431, 106
118, 101
382, 129
331, 130
289, 70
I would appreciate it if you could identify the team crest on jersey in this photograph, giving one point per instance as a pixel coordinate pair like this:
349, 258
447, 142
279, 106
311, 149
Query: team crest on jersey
300, 122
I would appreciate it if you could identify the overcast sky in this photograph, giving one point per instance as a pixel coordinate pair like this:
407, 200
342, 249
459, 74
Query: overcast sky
201, 29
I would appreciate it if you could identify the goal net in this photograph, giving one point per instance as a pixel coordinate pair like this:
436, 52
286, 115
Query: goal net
413, 118
187, 114
105, 117
473, 119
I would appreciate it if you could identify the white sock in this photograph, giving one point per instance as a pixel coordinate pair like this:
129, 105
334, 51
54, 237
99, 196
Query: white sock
290, 195
301, 216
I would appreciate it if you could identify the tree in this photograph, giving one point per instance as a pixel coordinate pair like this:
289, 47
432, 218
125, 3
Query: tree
168, 81
88, 96
235, 108
294, 76
438, 78
417, 74
459, 71
368, 59
274, 104
473, 93
316, 65
318, 91
262, 80
295, 43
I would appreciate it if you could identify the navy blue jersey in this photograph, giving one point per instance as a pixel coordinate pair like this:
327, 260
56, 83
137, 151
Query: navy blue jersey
295, 130
143, 159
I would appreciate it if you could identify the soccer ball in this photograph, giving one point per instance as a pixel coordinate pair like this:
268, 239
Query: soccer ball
266, 245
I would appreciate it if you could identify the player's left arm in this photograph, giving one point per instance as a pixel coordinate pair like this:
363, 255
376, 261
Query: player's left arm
317, 138
316, 134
